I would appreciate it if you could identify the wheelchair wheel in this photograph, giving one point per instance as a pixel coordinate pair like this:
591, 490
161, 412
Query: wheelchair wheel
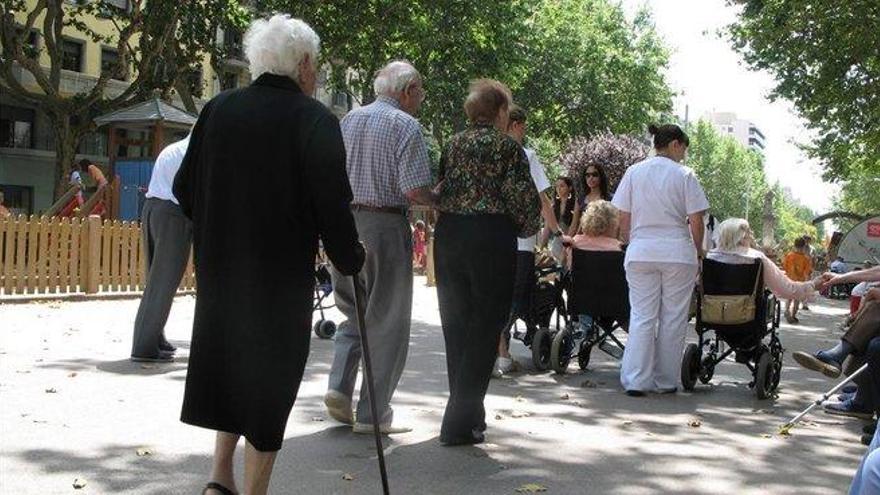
765, 376
708, 370
324, 329
560, 351
584, 356
690, 367
541, 344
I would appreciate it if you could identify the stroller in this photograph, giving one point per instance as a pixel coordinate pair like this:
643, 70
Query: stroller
545, 300
323, 328
746, 340
599, 289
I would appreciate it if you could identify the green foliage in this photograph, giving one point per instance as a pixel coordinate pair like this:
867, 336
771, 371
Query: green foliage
825, 55
732, 175
549, 151
577, 66
449, 41
861, 188
736, 184
588, 69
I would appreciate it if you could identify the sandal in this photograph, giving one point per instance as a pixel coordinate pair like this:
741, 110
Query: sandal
213, 485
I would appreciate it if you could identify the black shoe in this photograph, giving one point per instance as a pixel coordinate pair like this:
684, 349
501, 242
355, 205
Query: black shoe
635, 393
869, 428
166, 346
866, 439
160, 357
474, 438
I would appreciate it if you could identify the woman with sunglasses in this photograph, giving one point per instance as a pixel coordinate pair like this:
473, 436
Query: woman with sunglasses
595, 186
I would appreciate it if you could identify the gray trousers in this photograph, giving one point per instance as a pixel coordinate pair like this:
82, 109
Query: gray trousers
388, 278
167, 236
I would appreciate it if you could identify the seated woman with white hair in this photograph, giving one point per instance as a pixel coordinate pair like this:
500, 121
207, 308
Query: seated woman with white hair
735, 248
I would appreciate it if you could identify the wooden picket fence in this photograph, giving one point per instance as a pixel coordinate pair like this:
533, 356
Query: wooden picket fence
64, 256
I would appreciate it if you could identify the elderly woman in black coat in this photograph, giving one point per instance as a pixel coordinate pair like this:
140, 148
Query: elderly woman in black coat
264, 178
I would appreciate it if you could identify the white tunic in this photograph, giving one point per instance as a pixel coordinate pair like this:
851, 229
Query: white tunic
660, 194
167, 164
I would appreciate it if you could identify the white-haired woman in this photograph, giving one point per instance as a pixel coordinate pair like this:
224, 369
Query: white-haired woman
280, 152
735, 248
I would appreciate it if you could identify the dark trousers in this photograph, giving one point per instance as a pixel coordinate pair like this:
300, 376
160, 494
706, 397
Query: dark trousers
167, 238
868, 394
475, 258
523, 284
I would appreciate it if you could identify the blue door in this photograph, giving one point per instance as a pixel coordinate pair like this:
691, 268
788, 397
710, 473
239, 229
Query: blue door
134, 178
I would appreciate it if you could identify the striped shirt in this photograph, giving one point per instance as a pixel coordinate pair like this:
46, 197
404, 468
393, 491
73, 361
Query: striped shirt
386, 154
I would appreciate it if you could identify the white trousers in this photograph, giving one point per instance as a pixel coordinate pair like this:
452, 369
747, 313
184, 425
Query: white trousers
659, 297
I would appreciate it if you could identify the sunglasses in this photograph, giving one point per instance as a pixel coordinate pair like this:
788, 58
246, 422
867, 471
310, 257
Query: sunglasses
592, 174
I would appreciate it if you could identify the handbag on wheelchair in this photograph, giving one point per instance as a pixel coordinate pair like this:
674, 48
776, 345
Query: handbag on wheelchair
729, 309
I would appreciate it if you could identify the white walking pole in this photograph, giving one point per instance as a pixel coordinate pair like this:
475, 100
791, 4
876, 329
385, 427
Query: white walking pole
819, 401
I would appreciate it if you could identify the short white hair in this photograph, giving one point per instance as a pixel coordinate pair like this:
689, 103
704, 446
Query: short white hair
277, 46
394, 78
731, 233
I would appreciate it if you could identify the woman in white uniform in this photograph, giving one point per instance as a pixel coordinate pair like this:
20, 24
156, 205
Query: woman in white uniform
661, 207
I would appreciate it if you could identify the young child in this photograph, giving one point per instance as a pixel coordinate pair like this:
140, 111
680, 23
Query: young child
798, 266
419, 242
598, 231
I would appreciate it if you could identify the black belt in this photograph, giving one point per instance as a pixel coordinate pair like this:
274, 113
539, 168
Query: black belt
394, 210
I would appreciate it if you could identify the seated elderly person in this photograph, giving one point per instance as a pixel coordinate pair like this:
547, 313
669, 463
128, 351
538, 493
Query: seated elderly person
865, 326
599, 228
735, 247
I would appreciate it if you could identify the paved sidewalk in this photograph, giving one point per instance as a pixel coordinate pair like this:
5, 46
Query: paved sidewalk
73, 406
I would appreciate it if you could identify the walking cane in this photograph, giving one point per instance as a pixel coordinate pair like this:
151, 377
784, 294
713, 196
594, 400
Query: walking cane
368, 376
818, 402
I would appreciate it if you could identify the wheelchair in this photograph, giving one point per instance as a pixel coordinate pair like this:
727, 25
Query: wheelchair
755, 343
597, 288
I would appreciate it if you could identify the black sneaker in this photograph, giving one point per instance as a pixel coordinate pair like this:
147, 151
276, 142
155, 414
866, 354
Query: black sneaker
869, 428
635, 393
160, 357
166, 346
866, 439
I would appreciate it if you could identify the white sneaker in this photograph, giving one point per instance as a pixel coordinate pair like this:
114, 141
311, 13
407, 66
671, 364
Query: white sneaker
339, 406
386, 429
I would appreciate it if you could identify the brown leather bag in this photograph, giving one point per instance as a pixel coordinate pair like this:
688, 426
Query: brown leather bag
728, 310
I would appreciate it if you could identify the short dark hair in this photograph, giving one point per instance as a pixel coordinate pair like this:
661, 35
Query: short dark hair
485, 99
667, 133
517, 114
799, 243
84, 164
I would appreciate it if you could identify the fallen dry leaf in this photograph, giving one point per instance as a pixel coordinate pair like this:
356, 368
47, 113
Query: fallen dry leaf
51, 391
564, 397
143, 452
519, 398
588, 384
79, 483
317, 419
785, 430
766, 435
499, 417
520, 414
348, 477
627, 423
695, 423
71, 375
531, 488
